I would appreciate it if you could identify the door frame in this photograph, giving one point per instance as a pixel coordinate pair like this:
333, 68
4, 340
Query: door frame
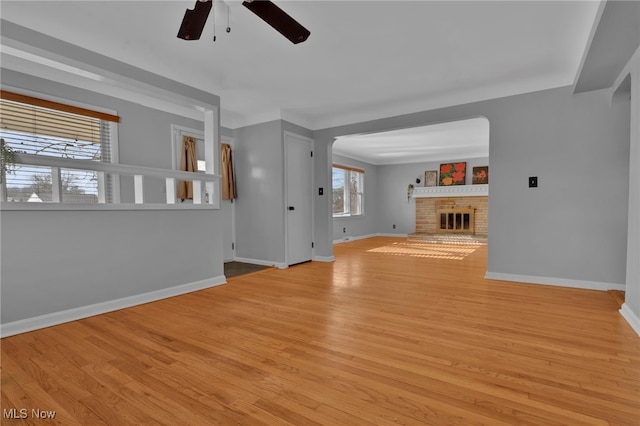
231, 141
286, 135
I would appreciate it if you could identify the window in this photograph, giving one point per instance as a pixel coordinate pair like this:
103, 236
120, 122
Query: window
348, 191
50, 129
204, 154
179, 133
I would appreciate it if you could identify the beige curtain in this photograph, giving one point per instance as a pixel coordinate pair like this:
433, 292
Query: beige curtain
188, 163
228, 183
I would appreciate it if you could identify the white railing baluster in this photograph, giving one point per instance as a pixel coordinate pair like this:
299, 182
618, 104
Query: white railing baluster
210, 190
197, 192
56, 185
138, 189
171, 190
102, 194
204, 184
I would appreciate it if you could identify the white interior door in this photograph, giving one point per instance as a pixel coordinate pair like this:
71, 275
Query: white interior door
299, 198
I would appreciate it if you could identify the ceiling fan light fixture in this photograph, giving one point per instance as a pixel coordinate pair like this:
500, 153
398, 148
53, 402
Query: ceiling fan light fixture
278, 19
194, 20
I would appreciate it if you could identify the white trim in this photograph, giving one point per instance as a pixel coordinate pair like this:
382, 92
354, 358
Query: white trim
114, 168
117, 168
115, 159
138, 189
231, 142
631, 318
55, 318
362, 237
25, 206
559, 282
354, 238
324, 259
451, 191
279, 265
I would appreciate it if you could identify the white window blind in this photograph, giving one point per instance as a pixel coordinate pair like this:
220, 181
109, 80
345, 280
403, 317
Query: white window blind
39, 127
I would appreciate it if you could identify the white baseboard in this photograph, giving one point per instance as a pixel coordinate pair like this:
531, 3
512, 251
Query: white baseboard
630, 317
262, 262
353, 238
55, 318
362, 237
324, 258
559, 282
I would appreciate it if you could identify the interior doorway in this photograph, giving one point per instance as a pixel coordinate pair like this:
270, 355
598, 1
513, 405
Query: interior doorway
298, 198
404, 166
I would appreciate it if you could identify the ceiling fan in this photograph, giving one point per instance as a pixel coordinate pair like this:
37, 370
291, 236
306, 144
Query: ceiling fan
194, 20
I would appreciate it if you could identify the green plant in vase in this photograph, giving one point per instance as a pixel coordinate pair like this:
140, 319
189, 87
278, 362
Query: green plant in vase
409, 192
7, 159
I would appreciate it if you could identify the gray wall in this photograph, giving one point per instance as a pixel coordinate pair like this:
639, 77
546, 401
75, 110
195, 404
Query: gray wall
58, 260
577, 147
632, 295
260, 214
366, 224
393, 180
574, 224
259, 162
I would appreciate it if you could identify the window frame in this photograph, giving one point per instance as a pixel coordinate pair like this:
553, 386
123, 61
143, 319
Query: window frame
107, 118
209, 152
347, 193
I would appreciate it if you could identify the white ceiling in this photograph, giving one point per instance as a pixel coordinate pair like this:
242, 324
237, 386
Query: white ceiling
364, 59
438, 142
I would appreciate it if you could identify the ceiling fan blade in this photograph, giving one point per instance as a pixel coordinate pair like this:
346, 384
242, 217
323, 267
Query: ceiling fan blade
278, 19
194, 20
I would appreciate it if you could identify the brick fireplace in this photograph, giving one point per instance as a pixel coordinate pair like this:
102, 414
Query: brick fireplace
456, 210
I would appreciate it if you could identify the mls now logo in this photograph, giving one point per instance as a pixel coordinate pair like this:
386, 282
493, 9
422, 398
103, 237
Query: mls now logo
14, 413
23, 413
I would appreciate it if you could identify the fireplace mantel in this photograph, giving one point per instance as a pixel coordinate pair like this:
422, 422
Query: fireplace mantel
451, 191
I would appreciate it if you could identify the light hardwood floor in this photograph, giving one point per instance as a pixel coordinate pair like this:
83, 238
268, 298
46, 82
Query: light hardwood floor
391, 333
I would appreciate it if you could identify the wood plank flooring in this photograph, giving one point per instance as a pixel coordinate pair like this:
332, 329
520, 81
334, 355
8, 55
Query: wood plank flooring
392, 333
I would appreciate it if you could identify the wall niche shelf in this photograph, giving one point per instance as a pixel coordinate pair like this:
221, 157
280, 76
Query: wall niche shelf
451, 191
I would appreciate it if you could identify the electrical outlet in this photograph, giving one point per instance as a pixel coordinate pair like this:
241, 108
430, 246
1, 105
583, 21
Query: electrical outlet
394, 226
344, 230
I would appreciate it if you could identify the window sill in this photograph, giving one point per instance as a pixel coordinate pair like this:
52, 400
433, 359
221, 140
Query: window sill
348, 216
101, 207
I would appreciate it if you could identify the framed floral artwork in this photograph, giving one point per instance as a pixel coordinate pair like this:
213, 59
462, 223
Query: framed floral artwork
453, 173
480, 175
431, 178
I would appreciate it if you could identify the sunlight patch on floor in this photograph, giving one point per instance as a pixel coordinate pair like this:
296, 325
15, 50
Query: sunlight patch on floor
428, 250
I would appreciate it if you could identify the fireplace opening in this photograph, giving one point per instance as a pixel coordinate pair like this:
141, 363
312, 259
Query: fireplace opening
456, 220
